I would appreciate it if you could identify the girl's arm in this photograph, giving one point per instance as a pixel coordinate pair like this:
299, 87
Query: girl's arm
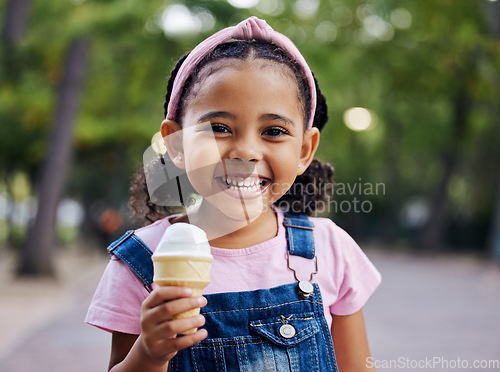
157, 343
121, 343
350, 342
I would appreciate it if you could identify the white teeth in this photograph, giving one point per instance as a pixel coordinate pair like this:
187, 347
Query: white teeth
245, 185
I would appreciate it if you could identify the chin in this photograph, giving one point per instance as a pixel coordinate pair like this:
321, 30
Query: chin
243, 213
242, 210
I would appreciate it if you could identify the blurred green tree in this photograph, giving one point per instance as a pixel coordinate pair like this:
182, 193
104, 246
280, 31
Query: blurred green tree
36, 256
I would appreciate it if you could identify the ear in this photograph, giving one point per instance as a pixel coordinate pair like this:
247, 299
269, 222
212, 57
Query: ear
309, 147
171, 132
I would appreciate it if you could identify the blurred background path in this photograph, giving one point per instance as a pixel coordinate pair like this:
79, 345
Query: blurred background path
42, 320
441, 310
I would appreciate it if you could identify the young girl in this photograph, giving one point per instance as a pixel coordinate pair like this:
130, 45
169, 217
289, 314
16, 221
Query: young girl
243, 121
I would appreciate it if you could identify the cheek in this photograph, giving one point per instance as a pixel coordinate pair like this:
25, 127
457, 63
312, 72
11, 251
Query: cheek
285, 172
202, 149
287, 162
201, 159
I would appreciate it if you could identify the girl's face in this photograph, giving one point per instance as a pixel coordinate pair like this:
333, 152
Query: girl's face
243, 139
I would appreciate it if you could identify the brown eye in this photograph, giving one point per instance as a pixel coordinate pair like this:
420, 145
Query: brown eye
275, 132
219, 128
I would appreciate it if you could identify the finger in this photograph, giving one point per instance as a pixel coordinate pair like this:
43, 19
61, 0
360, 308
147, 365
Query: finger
157, 336
168, 310
162, 294
180, 326
176, 344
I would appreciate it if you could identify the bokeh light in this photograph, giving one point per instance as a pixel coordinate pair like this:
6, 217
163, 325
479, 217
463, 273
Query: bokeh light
375, 26
70, 213
271, 7
178, 20
326, 31
243, 3
359, 119
305, 8
401, 18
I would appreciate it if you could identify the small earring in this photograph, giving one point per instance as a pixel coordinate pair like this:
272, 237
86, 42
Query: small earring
179, 157
300, 165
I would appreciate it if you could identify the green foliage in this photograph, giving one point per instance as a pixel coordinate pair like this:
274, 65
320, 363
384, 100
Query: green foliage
409, 80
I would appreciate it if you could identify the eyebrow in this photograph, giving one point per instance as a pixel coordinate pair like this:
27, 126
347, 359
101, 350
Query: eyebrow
286, 120
215, 114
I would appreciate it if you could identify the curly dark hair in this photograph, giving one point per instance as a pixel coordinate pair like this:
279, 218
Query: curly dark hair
310, 190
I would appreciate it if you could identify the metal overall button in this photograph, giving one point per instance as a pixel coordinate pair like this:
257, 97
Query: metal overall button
287, 331
305, 289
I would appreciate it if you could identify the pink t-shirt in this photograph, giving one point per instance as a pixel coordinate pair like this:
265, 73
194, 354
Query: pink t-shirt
346, 277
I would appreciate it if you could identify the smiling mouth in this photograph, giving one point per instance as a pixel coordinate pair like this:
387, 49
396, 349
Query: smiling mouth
244, 184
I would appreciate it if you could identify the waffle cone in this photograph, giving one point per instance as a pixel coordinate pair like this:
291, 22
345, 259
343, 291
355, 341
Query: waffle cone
193, 272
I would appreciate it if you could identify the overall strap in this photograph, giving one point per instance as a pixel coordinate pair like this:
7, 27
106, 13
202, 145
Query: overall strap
136, 255
299, 232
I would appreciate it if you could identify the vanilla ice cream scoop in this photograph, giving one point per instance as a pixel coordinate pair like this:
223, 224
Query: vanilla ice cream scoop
183, 239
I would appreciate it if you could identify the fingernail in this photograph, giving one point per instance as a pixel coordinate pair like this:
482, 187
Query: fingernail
202, 301
202, 333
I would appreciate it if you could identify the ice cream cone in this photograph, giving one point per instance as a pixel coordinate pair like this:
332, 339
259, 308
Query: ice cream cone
183, 259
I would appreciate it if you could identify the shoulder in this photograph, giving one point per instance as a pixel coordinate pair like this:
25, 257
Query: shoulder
333, 241
326, 231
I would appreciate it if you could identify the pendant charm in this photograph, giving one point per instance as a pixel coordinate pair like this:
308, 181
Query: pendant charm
305, 289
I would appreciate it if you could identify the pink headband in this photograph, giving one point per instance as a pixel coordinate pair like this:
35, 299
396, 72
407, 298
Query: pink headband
250, 28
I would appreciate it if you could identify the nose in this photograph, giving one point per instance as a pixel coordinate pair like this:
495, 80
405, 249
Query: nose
245, 148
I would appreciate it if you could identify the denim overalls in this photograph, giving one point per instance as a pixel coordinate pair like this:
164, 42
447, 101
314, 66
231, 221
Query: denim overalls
277, 329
